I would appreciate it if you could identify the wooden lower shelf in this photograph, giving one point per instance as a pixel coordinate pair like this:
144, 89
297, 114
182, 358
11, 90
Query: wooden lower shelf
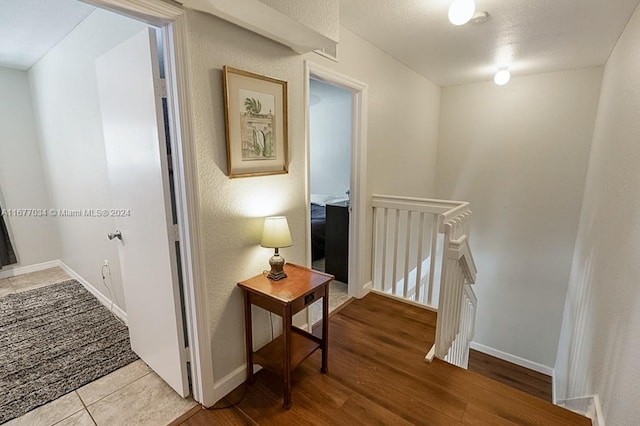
271, 356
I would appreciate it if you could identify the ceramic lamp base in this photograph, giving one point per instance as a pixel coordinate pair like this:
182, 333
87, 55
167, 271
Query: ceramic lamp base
277, 268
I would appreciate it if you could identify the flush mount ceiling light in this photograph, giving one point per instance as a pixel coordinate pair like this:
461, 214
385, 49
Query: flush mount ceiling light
480, 18
502, 77
461, 11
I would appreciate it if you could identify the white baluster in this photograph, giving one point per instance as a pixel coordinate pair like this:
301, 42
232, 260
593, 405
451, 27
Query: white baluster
419, 291
383, 286
394, 276
432, 255
406, 257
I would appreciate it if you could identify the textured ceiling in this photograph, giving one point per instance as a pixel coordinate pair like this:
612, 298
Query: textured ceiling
29, 28
528, 36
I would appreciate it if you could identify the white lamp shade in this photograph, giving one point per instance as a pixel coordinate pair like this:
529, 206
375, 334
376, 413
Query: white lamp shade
276, 232
461, 11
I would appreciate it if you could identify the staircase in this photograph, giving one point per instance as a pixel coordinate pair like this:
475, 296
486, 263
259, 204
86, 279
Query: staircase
422, 256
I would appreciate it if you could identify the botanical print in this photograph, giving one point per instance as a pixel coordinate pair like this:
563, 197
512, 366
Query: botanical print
255, 110
257, 125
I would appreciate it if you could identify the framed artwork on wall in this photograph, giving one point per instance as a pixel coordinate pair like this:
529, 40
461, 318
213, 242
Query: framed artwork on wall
255, 108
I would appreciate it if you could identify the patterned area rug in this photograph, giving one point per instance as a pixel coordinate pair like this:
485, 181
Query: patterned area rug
54, 340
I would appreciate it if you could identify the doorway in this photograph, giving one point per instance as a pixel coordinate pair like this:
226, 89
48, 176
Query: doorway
167, 18
350, 205
330, 122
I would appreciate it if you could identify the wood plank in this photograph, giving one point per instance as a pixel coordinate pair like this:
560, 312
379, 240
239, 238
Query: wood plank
393, 356
360, 410
316, 399
271, 355
231, 416
526, 380
183, 418
378, 376
395, 390
473, 415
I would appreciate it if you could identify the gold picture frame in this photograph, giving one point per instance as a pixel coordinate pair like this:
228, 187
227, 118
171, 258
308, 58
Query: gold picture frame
255, 110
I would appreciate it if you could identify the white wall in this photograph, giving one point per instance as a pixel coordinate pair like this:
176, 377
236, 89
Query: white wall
22, 182
403, 114
65, 95
598, 351
519, 154
330, 139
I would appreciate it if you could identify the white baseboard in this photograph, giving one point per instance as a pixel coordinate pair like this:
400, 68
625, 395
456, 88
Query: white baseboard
117, 311
403, 300
8, 272
230, 382
20, 270
514, 359
367, 288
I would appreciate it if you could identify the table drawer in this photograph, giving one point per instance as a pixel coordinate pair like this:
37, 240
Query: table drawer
307, 299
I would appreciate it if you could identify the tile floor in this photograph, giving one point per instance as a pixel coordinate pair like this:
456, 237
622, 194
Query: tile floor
31, 281
132, 395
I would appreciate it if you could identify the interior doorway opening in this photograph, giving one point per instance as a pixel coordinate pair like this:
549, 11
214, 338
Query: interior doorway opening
75, 162
354, 198
330, 130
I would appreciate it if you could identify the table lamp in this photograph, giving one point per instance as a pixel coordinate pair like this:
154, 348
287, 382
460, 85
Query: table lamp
276, 235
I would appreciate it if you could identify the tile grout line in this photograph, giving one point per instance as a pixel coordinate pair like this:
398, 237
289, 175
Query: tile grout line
63, 419
116, 390
85, 407
11, 285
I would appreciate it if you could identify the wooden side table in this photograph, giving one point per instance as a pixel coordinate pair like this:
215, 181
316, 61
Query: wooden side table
286, 297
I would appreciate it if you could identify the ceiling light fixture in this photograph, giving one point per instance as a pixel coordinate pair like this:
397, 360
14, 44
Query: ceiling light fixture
461, 11
502, 77
480, 18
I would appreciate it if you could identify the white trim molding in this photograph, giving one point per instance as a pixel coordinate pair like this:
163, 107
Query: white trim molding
106, 301
231, 381
154, 12
514, 359
8, 272
263, 19
359, 206
234, 379
188, 204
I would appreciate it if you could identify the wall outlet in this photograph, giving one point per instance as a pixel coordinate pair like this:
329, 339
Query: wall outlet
106, 263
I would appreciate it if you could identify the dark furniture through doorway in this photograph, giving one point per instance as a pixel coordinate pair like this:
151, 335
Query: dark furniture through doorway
337, 241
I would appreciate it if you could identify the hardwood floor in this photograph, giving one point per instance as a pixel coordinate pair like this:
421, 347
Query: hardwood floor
377, 375
529, 381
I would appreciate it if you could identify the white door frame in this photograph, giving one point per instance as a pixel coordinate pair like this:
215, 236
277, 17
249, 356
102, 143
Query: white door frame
357, 234
171, 19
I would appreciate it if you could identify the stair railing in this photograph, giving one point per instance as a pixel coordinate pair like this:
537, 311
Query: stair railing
422, 256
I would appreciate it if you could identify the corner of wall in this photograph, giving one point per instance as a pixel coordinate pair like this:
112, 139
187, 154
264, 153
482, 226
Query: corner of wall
588, 406
514, 359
